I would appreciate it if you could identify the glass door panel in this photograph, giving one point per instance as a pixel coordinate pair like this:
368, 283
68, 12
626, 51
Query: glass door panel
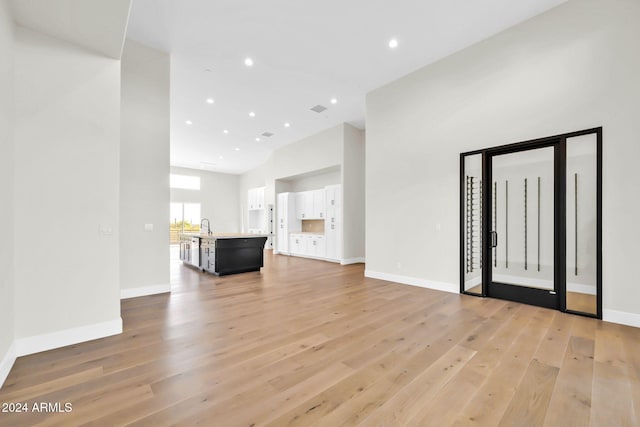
582, 219
522, 223
472, 219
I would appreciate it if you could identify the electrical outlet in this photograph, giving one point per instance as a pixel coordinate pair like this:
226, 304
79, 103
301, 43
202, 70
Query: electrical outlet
105, 230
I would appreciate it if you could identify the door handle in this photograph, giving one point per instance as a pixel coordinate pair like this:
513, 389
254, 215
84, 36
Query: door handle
494, 239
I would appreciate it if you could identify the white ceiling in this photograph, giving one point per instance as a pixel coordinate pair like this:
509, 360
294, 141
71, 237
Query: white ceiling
305, 53
97, 25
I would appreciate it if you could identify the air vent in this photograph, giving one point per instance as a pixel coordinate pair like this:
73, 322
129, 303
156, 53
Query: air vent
318, 108
267, 134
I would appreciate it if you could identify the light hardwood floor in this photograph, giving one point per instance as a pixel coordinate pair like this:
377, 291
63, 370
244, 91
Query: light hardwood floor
313, 343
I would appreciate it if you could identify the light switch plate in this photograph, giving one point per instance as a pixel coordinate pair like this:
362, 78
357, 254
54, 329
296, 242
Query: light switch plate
148, 227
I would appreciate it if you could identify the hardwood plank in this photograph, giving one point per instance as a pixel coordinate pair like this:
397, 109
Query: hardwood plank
631, 341
570, 403
609, 380
554, 344
612, 376
529, 405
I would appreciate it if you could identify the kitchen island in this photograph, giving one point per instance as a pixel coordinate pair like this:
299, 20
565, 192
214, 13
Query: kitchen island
223, 253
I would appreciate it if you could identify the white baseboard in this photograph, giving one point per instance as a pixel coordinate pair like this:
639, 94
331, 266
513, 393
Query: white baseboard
621, 317
144, 291
582, 288
359, 260
7, 363
38, 343
414, 281
472, 282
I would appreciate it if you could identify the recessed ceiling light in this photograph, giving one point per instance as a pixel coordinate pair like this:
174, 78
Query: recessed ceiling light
210, 101
248, 62
287, 125
393, 43
252, 114
225, 131
257, 139
221, 157
189, 122
334, 101
237, 149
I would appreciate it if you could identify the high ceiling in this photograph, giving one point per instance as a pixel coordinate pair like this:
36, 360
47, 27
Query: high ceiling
97, 25
304, 53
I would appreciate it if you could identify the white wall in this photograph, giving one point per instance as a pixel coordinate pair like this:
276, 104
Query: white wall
572, 68
67, 137
218, 196
315, 181
144, 171
353, 194
316, 152
6, 190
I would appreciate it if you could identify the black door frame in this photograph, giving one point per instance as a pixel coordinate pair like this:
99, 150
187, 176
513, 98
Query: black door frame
524, 294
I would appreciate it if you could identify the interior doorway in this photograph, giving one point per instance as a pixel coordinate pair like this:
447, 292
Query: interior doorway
530, 222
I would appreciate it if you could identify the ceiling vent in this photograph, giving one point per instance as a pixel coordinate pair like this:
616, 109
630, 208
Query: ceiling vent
318, 108
268, 134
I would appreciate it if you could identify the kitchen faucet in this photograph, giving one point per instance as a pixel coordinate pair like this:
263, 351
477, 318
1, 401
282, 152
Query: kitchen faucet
208, 226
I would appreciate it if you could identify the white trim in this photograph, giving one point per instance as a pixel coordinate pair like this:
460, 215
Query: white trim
38, 343
472, 282
359, 260
314, 257
413, 281
144, 291
7, 363
581, 288
621, 317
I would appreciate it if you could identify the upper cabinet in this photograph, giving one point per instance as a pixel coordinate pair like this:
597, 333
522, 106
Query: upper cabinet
256, 198
310, 204
319, 208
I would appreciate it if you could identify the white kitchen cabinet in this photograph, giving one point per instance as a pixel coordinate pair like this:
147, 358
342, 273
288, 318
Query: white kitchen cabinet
300, 205
315, 245
255, 198
304, 205
333, 222
318, 203
257, 214
297, 244
286, 221
310, 204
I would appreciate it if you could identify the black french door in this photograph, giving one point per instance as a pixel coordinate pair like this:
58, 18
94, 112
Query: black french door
531, 222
